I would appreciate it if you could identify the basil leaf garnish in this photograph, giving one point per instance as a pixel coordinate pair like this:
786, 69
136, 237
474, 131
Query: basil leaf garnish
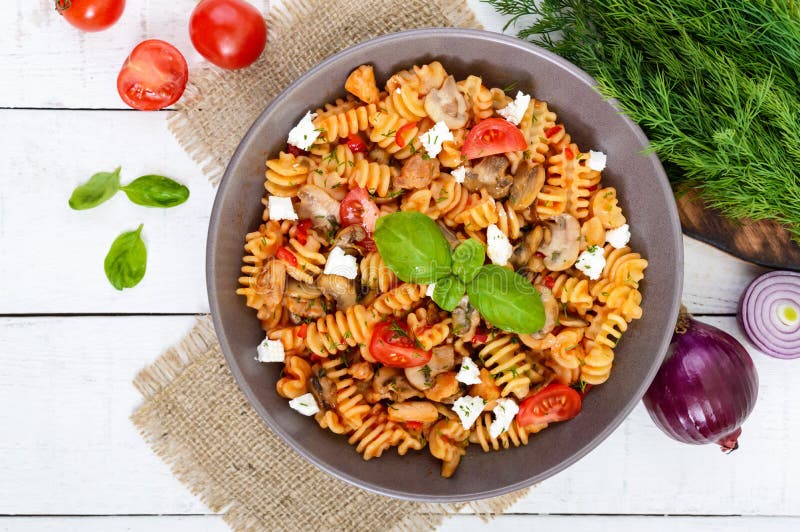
506, 300
448, 292
413, 247
126, 261
100, 187
468, 259
156, 191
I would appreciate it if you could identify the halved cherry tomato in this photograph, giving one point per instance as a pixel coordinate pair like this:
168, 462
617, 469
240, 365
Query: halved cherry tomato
91, 15
294, 150
301, 231
356, 143
552, 131
493, 136
556, 402
302, 331
357, 208
401, 137
414, 425
286, 256
229, 33
393, 345
153, 77
568, 154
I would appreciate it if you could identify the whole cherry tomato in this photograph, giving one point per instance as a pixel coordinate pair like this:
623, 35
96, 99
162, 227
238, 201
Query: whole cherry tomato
229, 33
153, 77
91, 15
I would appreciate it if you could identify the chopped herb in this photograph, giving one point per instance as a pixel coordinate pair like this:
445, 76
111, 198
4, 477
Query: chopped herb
510, 87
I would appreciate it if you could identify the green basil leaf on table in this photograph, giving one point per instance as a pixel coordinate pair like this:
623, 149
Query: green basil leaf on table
100, 187
506, 300
156, 191
413, 247
448, 292
126, 261
468, 259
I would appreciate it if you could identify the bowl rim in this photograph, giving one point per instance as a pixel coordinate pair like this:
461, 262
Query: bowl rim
659, 179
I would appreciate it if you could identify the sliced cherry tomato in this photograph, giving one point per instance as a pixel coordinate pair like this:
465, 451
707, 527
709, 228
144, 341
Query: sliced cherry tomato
286, 256
549, 282
356, 143
357, 208
568, 154
493, 136
479, 338
393, 345
414, 425
294, 150
401, 138
91, 15
302, 331
552, 131
229, 33
556, 402
301, 231
153, 77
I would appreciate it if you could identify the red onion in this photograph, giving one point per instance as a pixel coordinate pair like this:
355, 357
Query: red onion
706, 387
769, 314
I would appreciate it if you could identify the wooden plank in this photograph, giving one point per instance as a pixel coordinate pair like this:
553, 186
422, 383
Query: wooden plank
65, 389
460, 523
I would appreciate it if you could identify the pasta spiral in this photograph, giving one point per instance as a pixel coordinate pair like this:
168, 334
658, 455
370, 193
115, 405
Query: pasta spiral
596, 366
566, 172
294, 382
447, 442
405, 102
341, 125
514, 435
375, 177
375, 274
508, 365
350, 403
286, 174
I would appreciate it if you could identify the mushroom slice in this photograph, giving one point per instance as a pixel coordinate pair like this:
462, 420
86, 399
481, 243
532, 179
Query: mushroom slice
323, 389
442, 359
390, 383
561, 249
348, 238
449, 235
447, 105
525, 251
417, 172
465, 320
528, 181
270, 283
550, 311
490, 174
339, 288
316, 205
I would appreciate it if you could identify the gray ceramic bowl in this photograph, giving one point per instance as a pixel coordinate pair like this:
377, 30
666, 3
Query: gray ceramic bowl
594, 123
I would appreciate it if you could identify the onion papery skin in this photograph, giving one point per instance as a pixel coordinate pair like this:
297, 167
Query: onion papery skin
758, 309
705, 389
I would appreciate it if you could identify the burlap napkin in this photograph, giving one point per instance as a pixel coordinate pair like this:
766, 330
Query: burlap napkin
194, 416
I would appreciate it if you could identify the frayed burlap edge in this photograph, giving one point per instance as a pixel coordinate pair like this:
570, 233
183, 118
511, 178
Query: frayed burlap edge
163, 378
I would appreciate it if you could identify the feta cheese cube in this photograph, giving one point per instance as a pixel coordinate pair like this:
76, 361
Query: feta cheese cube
281, 208
433, 139
305, 404
469, 372
591, 262
514, 111
468, 409
504, 414
459, 174
597, 160
304, 133
619, 237
339, 263
270, 351
498, 247
431, 288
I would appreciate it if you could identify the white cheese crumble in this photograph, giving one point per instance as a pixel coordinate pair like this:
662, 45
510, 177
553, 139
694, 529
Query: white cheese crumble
431, 288
498, 247
304, 133
469, 372
281, 208
591, 262
468, 409
597, 160
339, 263
504, 414
619, 237
433, 139
514, 111
270, 351
459, 174
305, 404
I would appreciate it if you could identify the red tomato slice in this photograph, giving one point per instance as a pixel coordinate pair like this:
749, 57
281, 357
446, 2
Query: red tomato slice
294, 150
356, 143
357, 208
301, 232
414, 425
552, 131
153, 77
286, 256
549, 282
493, 136
392, 345
91, 15
556, 402
401, 137
568, 154
302, 332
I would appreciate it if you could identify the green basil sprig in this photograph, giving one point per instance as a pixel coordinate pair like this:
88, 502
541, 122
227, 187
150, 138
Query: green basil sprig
126, 261
100, 187
148, 190
414, 248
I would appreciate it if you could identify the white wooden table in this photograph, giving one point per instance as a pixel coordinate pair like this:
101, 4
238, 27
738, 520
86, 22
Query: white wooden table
70, 344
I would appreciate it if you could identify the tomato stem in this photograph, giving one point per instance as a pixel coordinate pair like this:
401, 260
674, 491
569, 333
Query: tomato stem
63, 5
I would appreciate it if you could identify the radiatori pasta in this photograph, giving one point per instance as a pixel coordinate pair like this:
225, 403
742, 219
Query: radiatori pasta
325, 296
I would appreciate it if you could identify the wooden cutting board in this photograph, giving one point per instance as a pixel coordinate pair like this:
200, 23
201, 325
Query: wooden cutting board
766, 243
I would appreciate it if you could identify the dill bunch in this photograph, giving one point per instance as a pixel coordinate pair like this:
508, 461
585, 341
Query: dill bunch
713, 83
